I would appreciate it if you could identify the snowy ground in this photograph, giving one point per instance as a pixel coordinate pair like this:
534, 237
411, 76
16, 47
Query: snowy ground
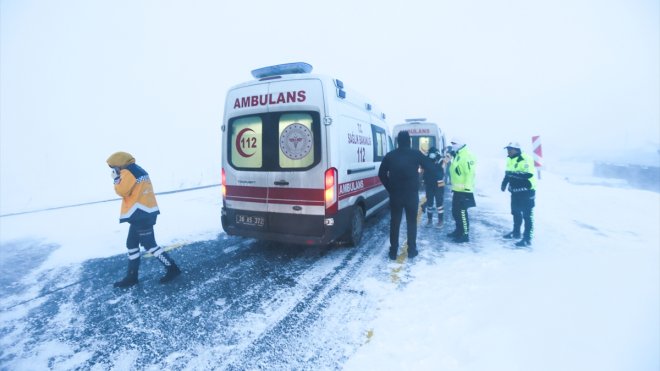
585, 297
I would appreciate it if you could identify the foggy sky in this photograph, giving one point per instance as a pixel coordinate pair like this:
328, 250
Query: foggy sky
82, 79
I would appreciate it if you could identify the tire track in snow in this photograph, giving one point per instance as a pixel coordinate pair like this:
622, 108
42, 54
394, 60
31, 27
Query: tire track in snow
288, 338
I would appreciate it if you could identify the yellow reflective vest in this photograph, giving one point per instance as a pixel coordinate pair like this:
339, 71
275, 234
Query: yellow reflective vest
522, 163
462, 171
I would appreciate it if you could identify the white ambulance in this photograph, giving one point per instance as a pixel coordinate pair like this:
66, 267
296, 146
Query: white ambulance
423, 134
300, 160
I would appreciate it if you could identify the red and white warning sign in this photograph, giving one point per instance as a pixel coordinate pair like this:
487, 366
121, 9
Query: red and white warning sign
538, 151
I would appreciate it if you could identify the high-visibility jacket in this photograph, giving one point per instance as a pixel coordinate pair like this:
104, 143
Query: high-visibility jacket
462, 171
520, 173
138, 198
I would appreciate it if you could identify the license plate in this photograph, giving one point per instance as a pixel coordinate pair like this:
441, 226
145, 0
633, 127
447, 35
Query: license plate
251, 220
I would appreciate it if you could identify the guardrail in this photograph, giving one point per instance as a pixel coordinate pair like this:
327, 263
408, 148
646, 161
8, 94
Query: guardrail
102, 201
638, 176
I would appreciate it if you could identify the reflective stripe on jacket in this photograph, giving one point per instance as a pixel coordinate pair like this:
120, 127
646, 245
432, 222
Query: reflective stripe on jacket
522, 164
138, 198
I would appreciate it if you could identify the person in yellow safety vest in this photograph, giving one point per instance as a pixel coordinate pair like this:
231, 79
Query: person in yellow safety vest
140, 210
519, 177
462, 172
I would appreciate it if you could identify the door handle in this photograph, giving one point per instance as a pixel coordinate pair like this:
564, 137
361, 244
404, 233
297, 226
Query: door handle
281, 183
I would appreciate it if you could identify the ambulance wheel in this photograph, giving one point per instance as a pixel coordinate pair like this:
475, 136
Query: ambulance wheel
356, 229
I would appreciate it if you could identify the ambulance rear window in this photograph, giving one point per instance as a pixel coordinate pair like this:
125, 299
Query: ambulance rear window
246, 142
423, 143
274, 141
296, 140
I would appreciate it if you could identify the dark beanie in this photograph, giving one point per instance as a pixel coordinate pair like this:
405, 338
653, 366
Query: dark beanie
403, 139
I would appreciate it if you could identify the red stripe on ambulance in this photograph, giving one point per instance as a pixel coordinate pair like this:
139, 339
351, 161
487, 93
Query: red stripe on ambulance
290, 196
356, 187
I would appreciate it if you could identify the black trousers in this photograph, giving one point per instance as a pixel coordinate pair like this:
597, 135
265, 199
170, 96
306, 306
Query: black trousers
522, 209
398, 204
460, 203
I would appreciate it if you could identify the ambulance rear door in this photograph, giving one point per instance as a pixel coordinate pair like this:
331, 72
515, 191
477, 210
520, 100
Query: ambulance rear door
296, 160
423, 136
245, 161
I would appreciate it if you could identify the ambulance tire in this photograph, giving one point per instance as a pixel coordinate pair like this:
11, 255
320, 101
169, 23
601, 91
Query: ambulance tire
356, 228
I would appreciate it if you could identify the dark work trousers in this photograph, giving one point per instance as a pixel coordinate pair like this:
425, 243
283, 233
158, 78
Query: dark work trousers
522, 209
398, 204
140, 234
434, 196
460, 203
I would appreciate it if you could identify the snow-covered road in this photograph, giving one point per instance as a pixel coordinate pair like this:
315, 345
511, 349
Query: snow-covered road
586, 296
240, 304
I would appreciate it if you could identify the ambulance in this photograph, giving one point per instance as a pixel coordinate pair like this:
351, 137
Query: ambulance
423, 134
300, 158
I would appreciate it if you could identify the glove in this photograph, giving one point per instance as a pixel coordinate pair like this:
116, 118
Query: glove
114, 173
505, 182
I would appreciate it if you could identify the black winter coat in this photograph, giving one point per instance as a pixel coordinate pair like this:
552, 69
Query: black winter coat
399, 171
436, 173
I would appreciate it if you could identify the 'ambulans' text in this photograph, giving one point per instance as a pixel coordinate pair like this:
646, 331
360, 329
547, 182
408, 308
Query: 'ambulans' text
351, 186
418, 131
272, 98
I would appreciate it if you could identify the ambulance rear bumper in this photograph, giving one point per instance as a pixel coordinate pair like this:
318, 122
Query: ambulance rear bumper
287, 228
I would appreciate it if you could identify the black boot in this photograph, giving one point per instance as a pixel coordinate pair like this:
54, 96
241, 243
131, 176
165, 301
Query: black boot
172, 269
461, 238
454, 234
430, 221
412, 252
172, 272
392, 253
131, 276
525, 242
512, 235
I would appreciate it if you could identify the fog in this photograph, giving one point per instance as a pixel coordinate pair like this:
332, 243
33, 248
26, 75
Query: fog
82, 79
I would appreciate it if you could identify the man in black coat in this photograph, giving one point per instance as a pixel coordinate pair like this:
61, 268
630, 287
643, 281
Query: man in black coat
399, 174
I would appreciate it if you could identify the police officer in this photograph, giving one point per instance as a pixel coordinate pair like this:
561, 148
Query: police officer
462, 172
519, 177
399, 174
434, 182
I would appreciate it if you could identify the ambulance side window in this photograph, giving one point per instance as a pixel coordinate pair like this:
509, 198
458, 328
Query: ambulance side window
296, 140
380, 143
246, 136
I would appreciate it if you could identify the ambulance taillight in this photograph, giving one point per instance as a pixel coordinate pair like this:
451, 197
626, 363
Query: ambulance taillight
331, 191
223, 187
